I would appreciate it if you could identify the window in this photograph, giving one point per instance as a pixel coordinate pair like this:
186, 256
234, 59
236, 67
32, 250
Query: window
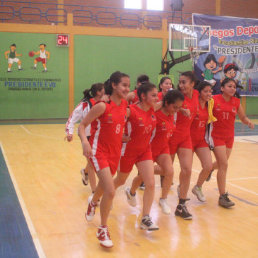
155, 5
133, 4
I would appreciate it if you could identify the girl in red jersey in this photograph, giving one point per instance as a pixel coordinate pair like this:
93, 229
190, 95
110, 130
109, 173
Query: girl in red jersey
198, 128
91, 96
139, 127
104, 147
225, 109
132, 97
180, 143
172, 102
165, 85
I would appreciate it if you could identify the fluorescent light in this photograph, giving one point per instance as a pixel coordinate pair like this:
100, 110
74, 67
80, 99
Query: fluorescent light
155, 5
133, 4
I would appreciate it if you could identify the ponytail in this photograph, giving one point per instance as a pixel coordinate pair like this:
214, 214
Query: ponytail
92, 92
114, 78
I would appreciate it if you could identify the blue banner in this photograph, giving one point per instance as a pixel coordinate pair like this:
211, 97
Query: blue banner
234, 52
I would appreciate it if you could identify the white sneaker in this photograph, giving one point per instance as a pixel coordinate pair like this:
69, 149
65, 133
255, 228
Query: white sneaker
104, 237
90, 211
148, 224
90, 199
198, 192
164, 206
130, 198
84, 177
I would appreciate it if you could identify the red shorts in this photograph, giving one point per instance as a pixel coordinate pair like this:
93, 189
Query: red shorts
128, 160
39, 59
178, 141
199, 143
158, 151
219, 141
104, 160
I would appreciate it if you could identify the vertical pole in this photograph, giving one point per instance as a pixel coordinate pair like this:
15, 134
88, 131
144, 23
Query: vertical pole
60, 13
243, 103
218, 7
71, 62
164, 38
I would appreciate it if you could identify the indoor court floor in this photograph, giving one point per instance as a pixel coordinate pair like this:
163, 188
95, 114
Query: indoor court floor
43, 204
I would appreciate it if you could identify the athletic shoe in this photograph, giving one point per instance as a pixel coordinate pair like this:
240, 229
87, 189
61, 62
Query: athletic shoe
209, 176
90, 199
44, 71
9, 71
90, 211
164, 206
131, 199
104, 237
84, 177
182, 212
225, 202
142, 186
147, 224
20, 69
198, 192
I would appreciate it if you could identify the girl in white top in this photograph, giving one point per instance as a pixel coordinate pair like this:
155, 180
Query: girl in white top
91, 96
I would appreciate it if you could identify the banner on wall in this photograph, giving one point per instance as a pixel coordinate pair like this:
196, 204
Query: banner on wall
234, 52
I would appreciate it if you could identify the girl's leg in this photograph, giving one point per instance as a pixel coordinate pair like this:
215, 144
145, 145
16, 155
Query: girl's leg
165, 169
204, 156
120, 179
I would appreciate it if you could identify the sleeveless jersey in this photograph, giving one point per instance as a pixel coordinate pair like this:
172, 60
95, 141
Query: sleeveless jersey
136, 99
225, 112
183, 123
164, 129
139, 127
107, 130
198, 126
42, 54
160, 96
12, 54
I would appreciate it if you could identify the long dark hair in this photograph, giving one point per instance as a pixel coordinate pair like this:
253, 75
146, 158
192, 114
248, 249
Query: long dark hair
144, 88
209, 58
162, 80
201, 85
172, 96
114, 78
92, 92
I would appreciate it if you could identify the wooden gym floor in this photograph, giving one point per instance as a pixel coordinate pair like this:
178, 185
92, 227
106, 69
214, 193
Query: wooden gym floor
43, 203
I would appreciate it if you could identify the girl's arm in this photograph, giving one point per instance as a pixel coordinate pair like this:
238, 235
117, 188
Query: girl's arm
130, 96
244, 119
94, 113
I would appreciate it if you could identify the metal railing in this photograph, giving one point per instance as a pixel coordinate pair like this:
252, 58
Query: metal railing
83, 15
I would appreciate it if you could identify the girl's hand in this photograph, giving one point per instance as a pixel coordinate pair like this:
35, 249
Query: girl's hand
251, 125
69, 137
87, 152
185, 112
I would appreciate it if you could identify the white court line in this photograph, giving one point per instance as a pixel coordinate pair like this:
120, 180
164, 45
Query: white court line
243, 178
236, 186
43, 136
24, 209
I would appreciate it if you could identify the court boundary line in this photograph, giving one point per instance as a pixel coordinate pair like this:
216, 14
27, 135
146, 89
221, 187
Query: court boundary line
236, 186
31, 227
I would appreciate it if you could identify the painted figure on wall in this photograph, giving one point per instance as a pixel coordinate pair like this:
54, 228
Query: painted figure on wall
12, 57
43, 56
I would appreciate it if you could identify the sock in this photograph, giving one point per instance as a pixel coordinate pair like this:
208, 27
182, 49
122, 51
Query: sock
35, 65
19, 66
45, 69
9, 69
181, 201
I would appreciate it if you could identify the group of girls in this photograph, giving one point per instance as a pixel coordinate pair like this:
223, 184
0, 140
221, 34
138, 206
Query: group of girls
154, 128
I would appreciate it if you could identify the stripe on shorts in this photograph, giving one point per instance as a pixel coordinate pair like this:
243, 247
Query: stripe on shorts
95, 146
129, 130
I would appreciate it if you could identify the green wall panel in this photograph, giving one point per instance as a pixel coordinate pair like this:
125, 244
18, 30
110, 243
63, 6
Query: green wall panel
96, 57
30, 93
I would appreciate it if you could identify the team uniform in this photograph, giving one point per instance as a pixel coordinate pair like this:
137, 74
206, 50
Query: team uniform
78, 114
164, 130
106, 136
139, 127
225, 112
160, 96
42, 57
198, 128
181, 137
12, 58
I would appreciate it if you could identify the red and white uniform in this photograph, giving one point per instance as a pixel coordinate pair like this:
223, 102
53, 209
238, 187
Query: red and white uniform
106, 136
198, 127
139, 127
181, 138
225, 112
164, 130
78, 114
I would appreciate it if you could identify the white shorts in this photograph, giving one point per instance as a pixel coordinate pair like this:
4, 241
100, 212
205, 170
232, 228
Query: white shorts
13, 60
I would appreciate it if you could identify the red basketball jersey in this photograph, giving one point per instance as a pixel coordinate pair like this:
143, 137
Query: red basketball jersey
164, 129
225, 112
107, 130
139, 127
160, 96
136, 99
198, 126
183, 123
